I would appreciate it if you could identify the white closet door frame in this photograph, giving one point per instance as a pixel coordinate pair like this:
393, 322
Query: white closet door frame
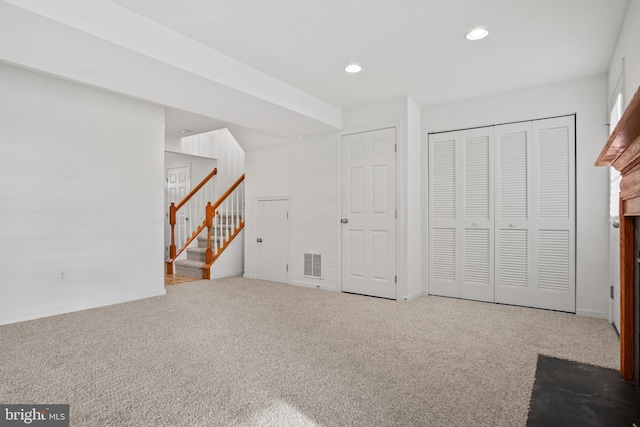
514, 225
477, 228
510, 241
445, 198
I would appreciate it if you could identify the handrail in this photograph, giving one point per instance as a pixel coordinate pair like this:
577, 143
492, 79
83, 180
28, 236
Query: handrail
196, 188
228, 192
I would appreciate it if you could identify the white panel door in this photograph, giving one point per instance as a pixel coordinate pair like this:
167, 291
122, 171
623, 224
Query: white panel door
514, 225
178, 184
369, 213
554, 214
477, 214
444, 214
272, 231
614, 270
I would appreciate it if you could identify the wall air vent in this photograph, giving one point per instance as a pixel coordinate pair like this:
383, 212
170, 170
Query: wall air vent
313, 265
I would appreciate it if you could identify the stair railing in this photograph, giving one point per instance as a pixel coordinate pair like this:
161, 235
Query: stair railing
224, 220
191, 213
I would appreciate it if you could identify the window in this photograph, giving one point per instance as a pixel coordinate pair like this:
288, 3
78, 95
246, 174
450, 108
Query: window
614, 175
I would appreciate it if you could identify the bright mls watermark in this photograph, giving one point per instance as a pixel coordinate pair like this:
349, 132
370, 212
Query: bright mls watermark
34, 415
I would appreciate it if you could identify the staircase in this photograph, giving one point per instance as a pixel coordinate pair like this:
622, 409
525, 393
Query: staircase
216, 225
197, 257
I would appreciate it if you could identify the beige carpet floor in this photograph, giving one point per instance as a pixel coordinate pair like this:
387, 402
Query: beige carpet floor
238, 352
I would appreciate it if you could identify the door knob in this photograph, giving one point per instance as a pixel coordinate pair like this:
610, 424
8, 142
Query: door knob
616, 224
344, 220
259, 240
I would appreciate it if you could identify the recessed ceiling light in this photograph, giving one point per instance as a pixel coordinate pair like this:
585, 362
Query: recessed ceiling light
477, 34
185, 131
353, 68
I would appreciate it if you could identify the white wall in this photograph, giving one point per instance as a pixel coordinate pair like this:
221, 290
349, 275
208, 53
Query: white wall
221, 145
200, 166
412, 215
306, 172
385, 113
231, 261
588, 99
628, 49
83, 195
171, 143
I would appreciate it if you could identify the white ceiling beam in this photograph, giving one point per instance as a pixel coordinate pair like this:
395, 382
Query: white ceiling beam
104, 45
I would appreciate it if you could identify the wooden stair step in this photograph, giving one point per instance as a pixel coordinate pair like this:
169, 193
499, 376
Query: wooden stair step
190, 268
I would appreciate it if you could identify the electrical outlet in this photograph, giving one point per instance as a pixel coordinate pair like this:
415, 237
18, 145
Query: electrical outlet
333, 262
62, 276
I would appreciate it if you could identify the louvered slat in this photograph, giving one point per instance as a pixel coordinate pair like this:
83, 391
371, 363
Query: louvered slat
513, 252
477, 178
444, 179
477, 256
553, 260
513, 175
553, 173
444, 253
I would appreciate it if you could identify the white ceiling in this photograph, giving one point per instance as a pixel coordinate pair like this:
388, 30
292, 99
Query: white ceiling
277, 66
178, 120
410, 48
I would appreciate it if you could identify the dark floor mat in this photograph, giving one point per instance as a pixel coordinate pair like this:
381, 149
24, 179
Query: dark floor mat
569, 394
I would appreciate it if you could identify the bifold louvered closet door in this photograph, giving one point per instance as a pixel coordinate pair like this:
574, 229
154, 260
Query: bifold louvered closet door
461, 239
502, 214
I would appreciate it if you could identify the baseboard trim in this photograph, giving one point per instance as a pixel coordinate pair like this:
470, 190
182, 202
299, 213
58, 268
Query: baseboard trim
23, 317
413, 296
593, 313
231, 274
249, 276
313, 285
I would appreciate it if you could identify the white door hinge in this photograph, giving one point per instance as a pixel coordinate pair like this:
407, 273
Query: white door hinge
396, 279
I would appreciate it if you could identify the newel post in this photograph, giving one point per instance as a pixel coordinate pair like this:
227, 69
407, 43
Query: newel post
206, 273
172, 247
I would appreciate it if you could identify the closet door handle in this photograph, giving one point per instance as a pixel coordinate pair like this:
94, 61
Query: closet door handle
512, 225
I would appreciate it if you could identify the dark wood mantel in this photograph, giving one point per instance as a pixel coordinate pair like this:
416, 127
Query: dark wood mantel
622, 151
